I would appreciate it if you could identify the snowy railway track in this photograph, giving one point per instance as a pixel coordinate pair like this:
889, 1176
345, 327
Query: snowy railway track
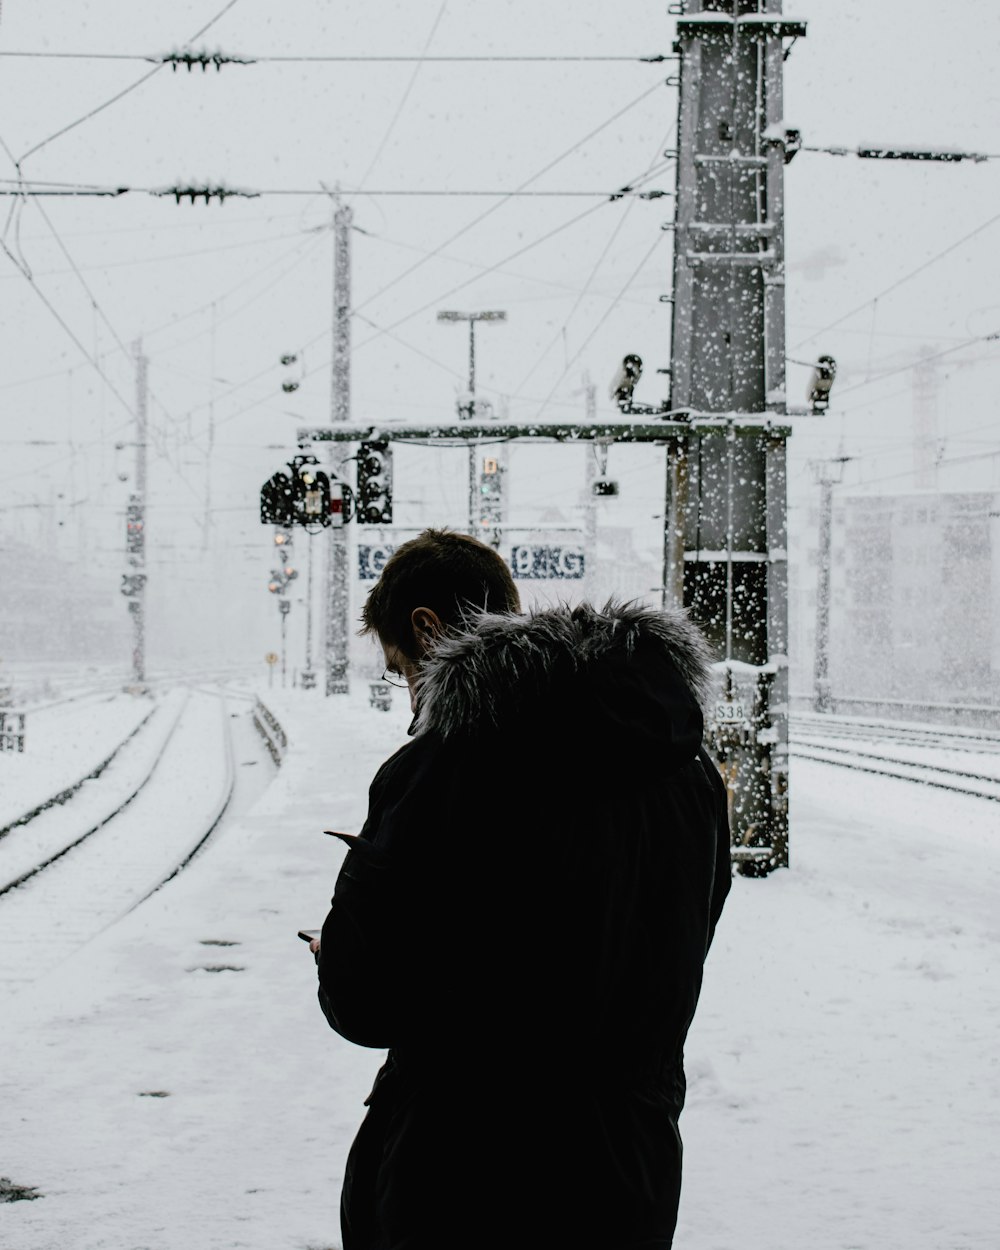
84, 881
940, 776
67, 792
934, 737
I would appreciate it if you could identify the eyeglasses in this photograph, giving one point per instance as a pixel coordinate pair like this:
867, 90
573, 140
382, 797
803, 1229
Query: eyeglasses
394, 678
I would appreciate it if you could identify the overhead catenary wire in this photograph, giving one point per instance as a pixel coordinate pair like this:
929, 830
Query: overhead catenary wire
656, 166
891, 152
302, 250
905, 473
900, 281
121, 94
923, 360
604, 198
69, 330
605, 315
465, 230
37, 191
161, 59
405, 96
387, 330
170, 256
152, 432
540, 173
161, 450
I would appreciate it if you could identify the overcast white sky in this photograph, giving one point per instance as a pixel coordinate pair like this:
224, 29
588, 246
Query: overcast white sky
218, 293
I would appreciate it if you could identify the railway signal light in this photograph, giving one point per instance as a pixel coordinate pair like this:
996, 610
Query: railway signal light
132, 584
374, 495
490, 493
821, 383
305, 496
134, 529
623, 384
280, 579
311, 495
276, 501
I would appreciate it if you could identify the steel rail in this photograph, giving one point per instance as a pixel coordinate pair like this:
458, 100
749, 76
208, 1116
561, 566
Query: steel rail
229, 789
945, 737
855, 764
49, 860
63, 796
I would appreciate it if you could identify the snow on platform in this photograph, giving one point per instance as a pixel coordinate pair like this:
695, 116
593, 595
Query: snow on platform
173, 1085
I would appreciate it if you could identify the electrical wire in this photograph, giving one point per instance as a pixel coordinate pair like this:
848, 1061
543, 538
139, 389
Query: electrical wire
607, 313
493, 268
471, 264
566, 225
437, 251
655, 59
924, 360
55, 313
979, 455
304, 249
386, 330
151, 430
406, 94
35, 191
593, 273
900, 281
153, 260
160, 450
523, 186
411, 347
121, 94
889, 152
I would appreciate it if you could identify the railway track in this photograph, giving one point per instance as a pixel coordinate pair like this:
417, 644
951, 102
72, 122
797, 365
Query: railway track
67, 792
927, 755
946, 738
64, 879
41, 836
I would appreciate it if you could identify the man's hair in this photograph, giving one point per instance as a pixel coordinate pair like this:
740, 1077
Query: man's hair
452, 573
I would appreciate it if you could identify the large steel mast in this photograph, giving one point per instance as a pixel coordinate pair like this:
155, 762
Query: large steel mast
727, 558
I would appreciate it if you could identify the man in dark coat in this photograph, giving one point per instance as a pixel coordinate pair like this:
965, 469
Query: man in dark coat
522, 922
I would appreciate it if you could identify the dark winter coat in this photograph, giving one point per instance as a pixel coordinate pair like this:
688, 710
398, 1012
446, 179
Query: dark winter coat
522, 924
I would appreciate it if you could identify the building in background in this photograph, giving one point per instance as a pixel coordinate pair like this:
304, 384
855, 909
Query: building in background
58, 614
915, 583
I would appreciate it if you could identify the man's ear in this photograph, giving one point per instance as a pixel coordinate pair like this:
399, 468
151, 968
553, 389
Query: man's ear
426, 627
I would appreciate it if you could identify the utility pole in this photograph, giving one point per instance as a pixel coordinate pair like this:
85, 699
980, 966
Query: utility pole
725, 524
335, 655
589, 392
284, 607
467, 406
134, 581
308, 677
829, 473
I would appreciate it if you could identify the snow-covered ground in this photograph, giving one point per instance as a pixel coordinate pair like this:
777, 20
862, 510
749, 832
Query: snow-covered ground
172, 1084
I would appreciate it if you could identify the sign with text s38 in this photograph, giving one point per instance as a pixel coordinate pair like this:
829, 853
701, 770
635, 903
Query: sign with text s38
547, 562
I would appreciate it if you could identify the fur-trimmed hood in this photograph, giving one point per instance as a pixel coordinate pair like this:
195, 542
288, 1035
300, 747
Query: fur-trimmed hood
500, 664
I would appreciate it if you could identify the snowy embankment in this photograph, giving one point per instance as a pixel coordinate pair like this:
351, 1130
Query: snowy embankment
173, 1086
